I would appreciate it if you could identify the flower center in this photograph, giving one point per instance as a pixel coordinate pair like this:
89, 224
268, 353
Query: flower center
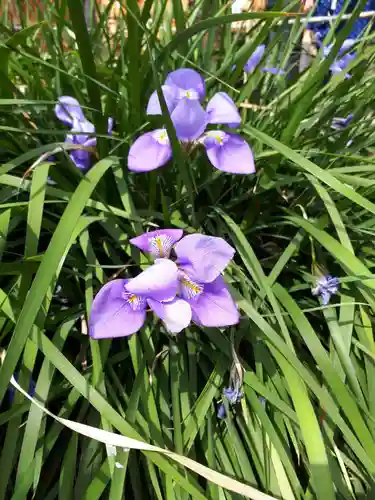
134, 301
189, 94
160, 245
218, 136
189, 289
161, 137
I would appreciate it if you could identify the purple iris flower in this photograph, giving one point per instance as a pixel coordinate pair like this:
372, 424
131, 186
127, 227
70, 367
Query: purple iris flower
343, 58
201, 260
119, 309
69, 111
183, 91
326, 286
177, 292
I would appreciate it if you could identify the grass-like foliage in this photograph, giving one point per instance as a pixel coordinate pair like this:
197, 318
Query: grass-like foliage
294, 379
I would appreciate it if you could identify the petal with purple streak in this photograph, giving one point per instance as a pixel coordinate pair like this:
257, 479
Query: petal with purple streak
202, 257
221, 109
176, 314
187, 79
229, 152
215, 306
158, 282
190, 120
112, 315
170, 96
158, 243
188, 288
150, 151
68, 109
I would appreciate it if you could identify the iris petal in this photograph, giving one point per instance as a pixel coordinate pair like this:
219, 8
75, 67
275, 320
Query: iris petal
202, 257
230, 154
190, 120
111, 314
221, 109
170, 96
158, 243
158, 282
215, 306
187, 79
149, 152
176, 314
68, 109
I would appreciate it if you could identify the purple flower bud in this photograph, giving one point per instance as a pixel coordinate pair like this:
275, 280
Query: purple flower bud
221, 412
255, 59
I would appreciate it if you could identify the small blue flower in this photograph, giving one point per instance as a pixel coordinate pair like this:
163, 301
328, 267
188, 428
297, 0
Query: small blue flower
325, 287
233, 395
341, 123
343, 58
